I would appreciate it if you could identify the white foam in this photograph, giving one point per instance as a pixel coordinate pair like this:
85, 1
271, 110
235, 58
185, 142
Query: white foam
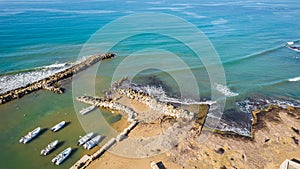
14, 81
161, 95
296, 79
52, 10
219, 21
154, 2
225, 90
167, 8
194, 15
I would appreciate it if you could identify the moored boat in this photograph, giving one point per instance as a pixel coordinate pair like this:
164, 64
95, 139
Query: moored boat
32, 134
62, 156
85, 138
58, 126
51, 146
92, 143
87, 110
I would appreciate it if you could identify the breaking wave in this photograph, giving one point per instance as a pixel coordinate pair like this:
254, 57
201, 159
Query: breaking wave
225, 90
251, 104
22, 78
160, 94
296, 79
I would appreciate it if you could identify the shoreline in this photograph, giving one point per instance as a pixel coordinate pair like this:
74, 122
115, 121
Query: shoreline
279, 134
50, 83
271, 118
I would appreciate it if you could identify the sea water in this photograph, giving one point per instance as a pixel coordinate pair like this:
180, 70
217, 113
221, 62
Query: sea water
249, 37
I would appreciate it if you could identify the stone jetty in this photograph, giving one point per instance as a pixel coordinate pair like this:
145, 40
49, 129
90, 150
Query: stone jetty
123, 88
154, 104
109, 104
87, 159
50, 83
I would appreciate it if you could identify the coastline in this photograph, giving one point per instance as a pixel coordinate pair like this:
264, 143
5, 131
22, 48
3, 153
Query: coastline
222, 149
263, 150
51, 83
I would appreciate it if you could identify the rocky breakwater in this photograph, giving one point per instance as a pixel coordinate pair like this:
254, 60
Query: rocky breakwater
50, 83
108, 104
154, 104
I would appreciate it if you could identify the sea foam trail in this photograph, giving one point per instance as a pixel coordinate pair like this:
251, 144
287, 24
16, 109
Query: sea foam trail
161, 95
14, 81
225, 90
296, 79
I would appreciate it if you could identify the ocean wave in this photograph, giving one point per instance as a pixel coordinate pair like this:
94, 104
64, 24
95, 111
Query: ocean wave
194, 15
22, 78
176, 9
154, 2
160, 94
254, 55
8, 12
220, 21
251, 104
225, 90
296, 79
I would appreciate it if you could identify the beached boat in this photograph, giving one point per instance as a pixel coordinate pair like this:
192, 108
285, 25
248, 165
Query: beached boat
32, 134
62, 156
58, 126
292, 46
92, 143
85, 138
87, 110
51, 146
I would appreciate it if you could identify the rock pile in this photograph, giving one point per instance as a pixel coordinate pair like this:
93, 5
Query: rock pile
48, 83
166, 109
109, 104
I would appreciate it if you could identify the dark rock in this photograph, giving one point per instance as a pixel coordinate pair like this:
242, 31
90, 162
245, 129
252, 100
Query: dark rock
220, 151
296, 141
295, 130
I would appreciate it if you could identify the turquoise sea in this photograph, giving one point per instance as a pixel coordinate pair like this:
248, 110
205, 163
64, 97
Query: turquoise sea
249, 37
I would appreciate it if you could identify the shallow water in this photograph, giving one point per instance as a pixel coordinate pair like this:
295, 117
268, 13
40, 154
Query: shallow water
45, 109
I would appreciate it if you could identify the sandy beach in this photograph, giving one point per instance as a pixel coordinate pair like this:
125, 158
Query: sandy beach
275, 138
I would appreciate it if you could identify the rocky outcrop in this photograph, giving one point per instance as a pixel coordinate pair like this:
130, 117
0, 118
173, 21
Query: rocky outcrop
49, 82
166, 109
108, 104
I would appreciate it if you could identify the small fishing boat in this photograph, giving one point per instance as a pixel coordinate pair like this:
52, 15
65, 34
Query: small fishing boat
32, 134
85, 138
58, 126
92, 143
62, 156
292, 46
87, 110
51, 146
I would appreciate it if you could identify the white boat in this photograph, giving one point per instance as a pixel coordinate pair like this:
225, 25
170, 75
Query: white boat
85, 138
292, 46
87, 110
32, 134
49, 148
58, 126
62, 156
92, 143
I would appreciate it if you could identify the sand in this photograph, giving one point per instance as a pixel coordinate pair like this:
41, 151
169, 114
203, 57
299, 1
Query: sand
271, 144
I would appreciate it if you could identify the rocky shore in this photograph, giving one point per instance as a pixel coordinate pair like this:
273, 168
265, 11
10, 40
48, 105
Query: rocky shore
51, 83
108, 104
152, 103
275, 129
